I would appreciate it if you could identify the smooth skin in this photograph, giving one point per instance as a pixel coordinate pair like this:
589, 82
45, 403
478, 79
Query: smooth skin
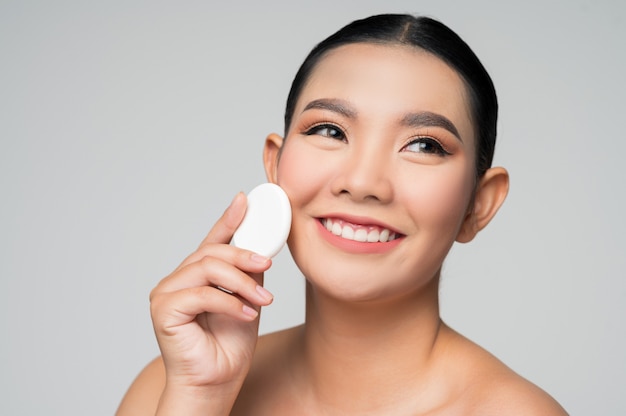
368, 146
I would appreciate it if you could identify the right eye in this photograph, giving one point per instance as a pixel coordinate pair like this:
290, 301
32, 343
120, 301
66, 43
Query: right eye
327, 130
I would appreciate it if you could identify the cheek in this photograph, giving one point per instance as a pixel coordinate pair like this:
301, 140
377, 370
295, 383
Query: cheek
440, 198
299, 172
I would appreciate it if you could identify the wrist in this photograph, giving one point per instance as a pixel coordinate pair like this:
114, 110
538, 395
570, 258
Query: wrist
195, 400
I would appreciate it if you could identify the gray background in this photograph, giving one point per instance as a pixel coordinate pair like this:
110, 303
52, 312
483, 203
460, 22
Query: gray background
127, 127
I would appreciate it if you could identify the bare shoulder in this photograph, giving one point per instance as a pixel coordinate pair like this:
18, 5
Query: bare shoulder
142, 398
492, 388
273, 353
508, 394
513, 396
268, 389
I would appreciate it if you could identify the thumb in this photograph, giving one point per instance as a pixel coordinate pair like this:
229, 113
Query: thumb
223, 230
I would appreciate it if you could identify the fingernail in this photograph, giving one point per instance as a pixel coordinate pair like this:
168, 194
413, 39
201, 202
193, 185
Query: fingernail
239, 195
265, 294
234, 200
249, 311
257, 258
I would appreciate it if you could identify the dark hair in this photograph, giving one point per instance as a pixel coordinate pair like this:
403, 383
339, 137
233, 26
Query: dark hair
429, 35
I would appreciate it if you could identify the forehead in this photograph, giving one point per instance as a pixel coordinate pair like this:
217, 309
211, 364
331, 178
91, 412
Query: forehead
390, 79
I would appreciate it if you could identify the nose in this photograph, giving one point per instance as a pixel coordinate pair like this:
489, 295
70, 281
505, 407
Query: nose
364, 175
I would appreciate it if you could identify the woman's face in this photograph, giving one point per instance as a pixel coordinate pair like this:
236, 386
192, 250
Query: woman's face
378, 164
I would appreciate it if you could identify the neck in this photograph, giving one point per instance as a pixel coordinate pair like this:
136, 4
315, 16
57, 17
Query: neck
348, 345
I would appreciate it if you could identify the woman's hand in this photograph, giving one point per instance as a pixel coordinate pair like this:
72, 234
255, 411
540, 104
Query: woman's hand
205, 314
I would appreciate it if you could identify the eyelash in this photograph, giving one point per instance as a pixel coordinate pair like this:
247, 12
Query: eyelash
436, 147
315, 130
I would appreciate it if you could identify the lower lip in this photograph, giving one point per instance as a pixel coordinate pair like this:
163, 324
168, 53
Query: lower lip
357, 247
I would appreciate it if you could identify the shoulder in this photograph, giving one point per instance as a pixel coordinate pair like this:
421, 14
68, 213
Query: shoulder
485, 386
511, 395
143, 396
268, 389
272, 356
492, 388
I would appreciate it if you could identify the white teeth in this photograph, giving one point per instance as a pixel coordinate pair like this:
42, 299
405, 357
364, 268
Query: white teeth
373, 235
347, 233
360, 235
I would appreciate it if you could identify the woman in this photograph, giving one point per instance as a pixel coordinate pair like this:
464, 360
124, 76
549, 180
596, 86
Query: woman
390, 128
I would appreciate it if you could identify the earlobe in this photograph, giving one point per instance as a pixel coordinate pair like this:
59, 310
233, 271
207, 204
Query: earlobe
490, 194
271, 155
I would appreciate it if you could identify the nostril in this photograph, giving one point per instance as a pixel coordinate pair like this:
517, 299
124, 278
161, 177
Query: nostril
364, 197
372, 198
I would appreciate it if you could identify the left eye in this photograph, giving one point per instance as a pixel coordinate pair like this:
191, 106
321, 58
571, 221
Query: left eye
426, 145
327, 130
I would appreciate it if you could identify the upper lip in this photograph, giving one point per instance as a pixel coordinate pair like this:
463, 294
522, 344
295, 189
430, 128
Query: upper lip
360, 220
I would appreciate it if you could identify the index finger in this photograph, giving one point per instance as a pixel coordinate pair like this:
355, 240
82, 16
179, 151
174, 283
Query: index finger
224, 228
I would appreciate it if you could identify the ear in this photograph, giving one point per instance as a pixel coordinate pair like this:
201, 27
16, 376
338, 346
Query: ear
271, 155
490, 194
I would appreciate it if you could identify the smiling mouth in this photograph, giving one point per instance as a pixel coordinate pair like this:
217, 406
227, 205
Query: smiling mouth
360, 233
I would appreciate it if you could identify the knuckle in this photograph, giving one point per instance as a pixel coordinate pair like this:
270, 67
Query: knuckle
199, 291
202, 251
159, 287
153, 294
210, 266
155, 306
206, 294
208, 262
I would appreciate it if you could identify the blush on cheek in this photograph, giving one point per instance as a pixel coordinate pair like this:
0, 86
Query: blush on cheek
441, 199
299, 172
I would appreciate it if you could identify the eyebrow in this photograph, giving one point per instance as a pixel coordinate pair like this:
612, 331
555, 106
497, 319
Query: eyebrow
415, 120
334, 105
429, 119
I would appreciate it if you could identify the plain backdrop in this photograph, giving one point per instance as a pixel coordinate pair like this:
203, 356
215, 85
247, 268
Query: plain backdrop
127, 127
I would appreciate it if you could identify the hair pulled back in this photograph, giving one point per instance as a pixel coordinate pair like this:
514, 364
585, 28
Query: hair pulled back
431, 36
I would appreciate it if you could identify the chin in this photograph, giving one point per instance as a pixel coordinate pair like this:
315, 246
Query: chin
367, 283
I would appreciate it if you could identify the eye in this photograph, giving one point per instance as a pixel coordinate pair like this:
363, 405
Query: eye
426, 145
327, 130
